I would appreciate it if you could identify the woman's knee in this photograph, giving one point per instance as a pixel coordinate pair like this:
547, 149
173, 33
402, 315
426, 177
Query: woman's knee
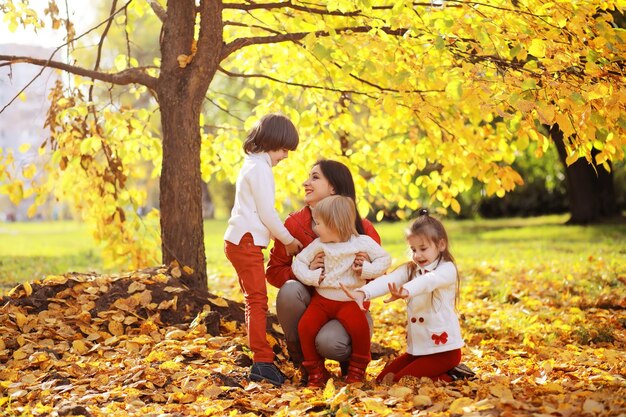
333, 341
293, 295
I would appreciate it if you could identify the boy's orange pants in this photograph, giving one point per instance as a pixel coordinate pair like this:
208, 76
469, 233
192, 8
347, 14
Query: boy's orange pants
247, 259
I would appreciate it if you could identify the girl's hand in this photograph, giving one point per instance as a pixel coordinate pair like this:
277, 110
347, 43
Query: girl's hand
357, 296
358, 270
293, 248
317, 262
322, 276
396, 293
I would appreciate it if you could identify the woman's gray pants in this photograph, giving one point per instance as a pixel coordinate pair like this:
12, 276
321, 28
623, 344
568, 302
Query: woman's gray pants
332, 341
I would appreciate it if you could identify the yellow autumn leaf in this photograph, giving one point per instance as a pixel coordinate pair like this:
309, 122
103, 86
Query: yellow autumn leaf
19, 355
184, 60
116, 328
400, 392
461, 405
592, 407
20, 319
230, 326
24, 147
170, 366
28, 288
55, 280
422, 401
29, 171
218, 301
501, 391
80, 347
537, 48
375, 405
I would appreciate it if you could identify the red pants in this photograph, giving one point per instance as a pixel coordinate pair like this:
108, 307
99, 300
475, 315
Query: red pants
247, 259
319, 312
433, 366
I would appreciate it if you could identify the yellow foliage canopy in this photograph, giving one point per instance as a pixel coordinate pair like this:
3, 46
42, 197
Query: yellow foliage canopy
422, 102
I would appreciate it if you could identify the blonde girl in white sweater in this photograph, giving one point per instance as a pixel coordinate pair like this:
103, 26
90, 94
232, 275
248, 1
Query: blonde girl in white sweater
334, 219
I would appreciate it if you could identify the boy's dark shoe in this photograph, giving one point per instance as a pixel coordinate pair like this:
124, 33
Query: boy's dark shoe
266, 371
344, 367
461, 371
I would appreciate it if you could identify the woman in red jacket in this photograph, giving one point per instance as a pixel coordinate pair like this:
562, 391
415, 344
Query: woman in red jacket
326, 178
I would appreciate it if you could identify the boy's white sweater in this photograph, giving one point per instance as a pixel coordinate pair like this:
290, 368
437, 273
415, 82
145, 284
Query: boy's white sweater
338, 259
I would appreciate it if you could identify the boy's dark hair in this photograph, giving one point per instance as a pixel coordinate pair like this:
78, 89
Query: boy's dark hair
272, 132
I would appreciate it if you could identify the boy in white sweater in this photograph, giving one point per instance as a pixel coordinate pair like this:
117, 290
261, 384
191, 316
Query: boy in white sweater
253, 222
334, 219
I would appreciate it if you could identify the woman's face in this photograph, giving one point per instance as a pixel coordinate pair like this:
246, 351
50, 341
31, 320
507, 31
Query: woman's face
316, 187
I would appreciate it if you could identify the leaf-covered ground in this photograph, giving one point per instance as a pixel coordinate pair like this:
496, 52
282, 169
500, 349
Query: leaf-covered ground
544, 344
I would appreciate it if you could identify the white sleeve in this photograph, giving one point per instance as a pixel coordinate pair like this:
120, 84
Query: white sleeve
301, 262
380, 260
262, 185
443, 276
380, 286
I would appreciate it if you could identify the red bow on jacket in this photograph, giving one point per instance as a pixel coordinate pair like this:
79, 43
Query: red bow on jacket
440, 339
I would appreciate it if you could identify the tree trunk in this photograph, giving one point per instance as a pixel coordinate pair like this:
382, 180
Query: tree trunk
181, 190
180, 92
589, 187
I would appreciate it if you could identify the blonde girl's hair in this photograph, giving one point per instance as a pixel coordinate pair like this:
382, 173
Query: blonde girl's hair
338, 213
272, 132
432, 229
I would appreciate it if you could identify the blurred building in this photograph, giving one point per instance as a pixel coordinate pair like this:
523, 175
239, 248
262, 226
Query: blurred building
23, 120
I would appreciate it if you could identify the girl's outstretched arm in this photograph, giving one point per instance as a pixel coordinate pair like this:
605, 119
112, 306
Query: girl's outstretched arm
396, 292
356, 295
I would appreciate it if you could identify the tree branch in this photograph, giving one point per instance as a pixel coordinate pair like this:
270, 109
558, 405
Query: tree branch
296, 36
312, 10
158, 10
301, 85
128, 76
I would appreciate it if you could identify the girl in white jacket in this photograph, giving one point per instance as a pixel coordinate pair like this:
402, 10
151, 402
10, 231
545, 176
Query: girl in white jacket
430, 284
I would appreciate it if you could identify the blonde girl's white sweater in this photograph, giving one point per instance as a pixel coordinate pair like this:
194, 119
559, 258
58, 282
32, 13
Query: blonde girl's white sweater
338, 259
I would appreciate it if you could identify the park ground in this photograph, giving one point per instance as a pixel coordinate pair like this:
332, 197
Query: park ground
543, 310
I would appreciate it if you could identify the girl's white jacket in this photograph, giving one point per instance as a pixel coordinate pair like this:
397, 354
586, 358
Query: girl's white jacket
433, 325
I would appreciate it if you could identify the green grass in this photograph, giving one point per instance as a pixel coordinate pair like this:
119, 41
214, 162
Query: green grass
30, 251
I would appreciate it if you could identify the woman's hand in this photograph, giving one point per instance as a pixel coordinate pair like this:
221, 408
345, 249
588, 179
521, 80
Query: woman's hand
293, 248
357, 265
359, 258
396, 293
317, 262
357, 296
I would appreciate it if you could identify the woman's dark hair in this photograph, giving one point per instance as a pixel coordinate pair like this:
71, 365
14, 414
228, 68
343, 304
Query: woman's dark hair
340, 178
272, 132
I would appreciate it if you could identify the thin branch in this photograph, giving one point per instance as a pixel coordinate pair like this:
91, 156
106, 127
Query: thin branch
301, 85
128, 76
312, 10
96, 66
45, 63
225, 110
158, 10
296, 36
